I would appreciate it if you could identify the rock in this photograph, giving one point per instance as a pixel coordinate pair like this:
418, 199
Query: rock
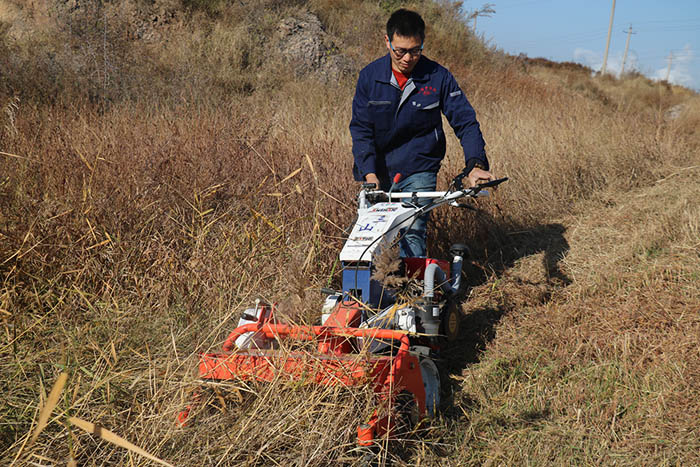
674, 112
307, 48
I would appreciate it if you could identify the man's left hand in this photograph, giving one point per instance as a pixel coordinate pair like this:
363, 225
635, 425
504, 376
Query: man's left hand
478, 175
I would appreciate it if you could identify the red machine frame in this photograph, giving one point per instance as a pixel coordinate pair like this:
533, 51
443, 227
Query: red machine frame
339, 362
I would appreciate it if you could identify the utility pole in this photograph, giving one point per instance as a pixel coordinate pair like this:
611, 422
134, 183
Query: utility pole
627, 46
607, 45
668, 70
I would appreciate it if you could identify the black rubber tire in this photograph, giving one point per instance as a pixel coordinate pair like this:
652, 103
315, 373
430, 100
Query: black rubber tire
406, 410
450, 321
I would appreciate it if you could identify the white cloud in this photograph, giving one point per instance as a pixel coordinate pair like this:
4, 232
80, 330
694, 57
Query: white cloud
680, 65
588, 58
680, 68
594, 60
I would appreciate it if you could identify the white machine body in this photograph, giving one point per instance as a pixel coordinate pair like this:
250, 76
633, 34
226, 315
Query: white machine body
383, 220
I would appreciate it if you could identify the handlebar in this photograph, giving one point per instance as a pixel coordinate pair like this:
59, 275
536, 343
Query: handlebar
409, 194
473, 192
438, 198
492, 183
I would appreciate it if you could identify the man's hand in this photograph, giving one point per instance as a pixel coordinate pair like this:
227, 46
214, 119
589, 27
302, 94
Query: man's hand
478, 175
372, 178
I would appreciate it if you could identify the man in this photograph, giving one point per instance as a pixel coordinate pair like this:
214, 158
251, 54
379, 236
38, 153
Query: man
396, 125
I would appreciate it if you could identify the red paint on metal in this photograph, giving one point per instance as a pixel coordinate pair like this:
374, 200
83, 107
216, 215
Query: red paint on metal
415, 267
346, 314
365, 434
388, 374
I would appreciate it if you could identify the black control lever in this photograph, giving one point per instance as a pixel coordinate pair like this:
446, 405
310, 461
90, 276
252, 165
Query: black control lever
457, 181
492, 183
458, 184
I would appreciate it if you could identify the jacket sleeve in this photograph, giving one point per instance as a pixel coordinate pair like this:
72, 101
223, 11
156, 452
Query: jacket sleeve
462, 118
362, 132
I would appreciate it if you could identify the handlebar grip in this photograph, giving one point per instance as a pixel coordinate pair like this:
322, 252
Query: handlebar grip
492, 183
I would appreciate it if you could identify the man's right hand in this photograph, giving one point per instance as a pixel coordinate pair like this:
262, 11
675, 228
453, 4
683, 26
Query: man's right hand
478, 175
372, 178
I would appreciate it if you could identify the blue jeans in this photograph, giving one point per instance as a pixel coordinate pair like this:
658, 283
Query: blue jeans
412, 243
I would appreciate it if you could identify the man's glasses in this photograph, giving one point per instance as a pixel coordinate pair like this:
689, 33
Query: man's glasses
416, 51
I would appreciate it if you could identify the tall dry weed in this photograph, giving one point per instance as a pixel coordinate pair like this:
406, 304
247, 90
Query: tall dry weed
580, 376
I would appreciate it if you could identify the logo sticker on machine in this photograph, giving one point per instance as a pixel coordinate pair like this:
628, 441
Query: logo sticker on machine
363, 228
384, 209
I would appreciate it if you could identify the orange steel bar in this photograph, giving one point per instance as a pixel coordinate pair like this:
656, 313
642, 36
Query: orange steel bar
348, 371
214, 364
266, 365
272, 330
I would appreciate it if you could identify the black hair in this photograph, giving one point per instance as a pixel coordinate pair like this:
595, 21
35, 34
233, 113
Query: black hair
405, 23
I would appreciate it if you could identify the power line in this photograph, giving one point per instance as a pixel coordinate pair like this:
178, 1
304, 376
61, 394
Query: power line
522, 4
648, 58
686, 20
595, 34
673, 29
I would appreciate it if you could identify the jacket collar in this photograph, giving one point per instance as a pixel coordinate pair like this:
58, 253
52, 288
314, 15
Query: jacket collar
421, 72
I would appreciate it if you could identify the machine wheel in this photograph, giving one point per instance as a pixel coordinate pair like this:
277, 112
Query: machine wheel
368, 458
449, 324
406, 412
431, 382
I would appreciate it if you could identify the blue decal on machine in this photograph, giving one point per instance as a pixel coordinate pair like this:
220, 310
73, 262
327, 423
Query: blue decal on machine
365, 227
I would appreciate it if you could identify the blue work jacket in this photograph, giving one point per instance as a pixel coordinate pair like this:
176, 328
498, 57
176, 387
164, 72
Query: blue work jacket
395, 131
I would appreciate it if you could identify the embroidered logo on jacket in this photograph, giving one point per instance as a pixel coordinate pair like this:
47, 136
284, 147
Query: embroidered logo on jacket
427, 90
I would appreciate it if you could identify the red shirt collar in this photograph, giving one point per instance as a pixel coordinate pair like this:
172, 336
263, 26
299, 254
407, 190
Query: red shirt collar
401, 79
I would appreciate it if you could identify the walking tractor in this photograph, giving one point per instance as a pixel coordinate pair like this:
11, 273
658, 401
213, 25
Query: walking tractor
370, 332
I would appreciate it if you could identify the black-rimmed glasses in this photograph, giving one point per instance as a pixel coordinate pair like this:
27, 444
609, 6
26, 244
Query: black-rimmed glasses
416, 51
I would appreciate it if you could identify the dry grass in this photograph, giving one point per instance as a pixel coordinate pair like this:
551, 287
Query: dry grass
138, 218
605, 370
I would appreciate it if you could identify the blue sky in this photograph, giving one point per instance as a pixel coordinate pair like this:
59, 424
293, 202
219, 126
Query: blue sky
576, 30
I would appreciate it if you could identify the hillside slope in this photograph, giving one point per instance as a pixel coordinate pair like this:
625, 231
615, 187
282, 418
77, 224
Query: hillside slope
158, 173
606, 369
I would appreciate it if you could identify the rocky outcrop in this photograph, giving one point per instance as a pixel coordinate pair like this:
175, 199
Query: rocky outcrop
307, 48
674, 112
146, 21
